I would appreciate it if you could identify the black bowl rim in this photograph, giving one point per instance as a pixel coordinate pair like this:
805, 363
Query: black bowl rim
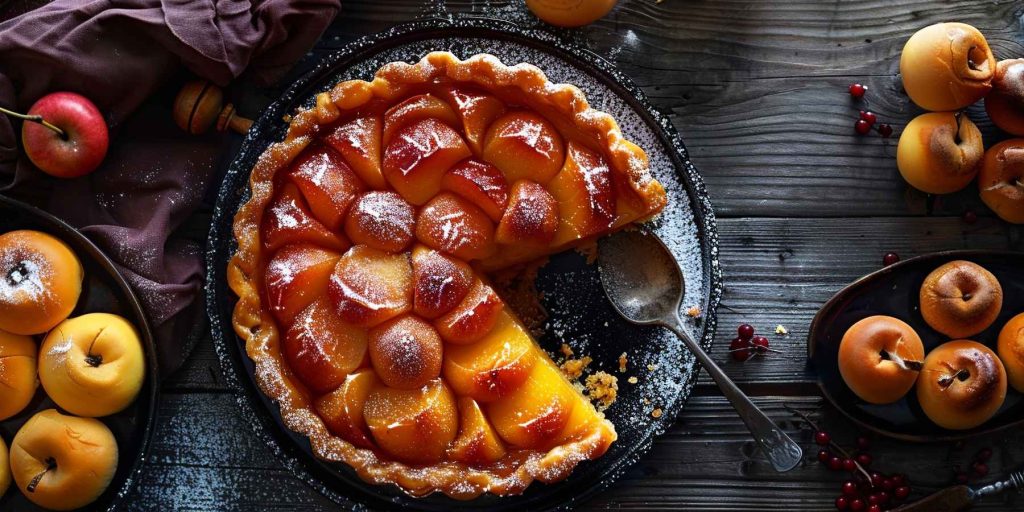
66, 230
891, 269
300, 90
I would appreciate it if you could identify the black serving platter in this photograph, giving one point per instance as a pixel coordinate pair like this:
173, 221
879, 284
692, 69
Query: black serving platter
104, 290
893, 291
571, 288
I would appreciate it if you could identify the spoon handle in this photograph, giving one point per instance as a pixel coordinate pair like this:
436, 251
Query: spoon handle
781, 450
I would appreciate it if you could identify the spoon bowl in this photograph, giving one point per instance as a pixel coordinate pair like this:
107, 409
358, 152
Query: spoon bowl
645, 285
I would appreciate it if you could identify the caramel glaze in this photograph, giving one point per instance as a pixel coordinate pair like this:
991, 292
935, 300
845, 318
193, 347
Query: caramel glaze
524, 85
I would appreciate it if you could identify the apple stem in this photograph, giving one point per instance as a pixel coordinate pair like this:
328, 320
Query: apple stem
831, 443
36, 119
51, 464
903, 363
959, 119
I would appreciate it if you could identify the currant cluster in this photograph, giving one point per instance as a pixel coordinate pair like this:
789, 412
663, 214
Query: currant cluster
979, 466
745, 345
867, 119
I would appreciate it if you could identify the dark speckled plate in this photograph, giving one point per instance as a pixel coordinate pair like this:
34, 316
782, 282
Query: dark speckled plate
104, 290
893, 291
572, 291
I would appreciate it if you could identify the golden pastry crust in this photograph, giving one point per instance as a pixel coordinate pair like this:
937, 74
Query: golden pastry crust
254, 323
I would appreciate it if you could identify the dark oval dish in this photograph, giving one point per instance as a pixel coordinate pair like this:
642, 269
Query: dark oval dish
567, 282
893, 291
106, 291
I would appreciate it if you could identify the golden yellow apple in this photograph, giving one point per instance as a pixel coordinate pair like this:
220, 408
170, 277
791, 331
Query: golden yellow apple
938, 152
947, 66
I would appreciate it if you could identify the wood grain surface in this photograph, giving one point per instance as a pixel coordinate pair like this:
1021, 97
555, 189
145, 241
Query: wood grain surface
758, 91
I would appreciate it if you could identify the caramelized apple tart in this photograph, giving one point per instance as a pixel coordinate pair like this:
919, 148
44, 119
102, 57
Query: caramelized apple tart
363, 259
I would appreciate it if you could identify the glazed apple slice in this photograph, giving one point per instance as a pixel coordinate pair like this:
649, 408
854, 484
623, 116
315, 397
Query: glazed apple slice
476, 111
406, 352
370, 286
322, 349
477, 442
524, 146
358, 141
536, 413
382, 220
480, 183
342, 409
413, 425
288, 220
585, 195
493, 367
419, 156
440, 282
473, 318
531, 217
453, 225
415, 108
295, 277
327, 183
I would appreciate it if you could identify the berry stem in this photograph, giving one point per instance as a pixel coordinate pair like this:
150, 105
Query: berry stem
36, 119
831, 443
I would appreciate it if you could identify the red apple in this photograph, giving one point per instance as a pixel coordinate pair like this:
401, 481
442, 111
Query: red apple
81, 146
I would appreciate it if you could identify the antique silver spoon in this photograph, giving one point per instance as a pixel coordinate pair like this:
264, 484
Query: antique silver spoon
644, 283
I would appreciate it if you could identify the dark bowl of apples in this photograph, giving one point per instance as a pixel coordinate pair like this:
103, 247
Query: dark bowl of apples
881, 381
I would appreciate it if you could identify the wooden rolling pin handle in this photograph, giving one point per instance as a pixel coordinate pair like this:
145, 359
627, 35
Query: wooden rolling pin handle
229, 119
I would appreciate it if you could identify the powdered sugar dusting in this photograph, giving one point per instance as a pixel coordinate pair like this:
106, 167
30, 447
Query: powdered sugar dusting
23, 272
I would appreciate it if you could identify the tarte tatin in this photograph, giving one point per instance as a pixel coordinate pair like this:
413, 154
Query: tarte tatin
362, 270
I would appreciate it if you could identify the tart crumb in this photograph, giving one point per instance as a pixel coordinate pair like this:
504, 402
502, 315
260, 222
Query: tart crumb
652, 367
633, 380
781, 330
623, 361
656, 413
517, 287
573, 368
693, 312
566, 350
603, 388
589, 251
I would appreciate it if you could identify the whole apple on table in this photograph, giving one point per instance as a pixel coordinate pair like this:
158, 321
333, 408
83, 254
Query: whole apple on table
946, 67
64, 135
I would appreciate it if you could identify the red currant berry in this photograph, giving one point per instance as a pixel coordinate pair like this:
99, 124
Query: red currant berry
822, 438
870, 117
740, 349
890, 258
824, 455
883, 497
983, 455
864, 459
862, 127
850, 488
899, 479
980, 468
849, 465
858, 90
835, 464
874, 508
970, 217
873, 499
746, 331
888, 484
901, 493
876, 480
885, 130
857, 504
863, 443
842, 503
760, 344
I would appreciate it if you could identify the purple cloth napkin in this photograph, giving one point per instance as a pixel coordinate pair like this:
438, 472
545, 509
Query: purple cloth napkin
118, 53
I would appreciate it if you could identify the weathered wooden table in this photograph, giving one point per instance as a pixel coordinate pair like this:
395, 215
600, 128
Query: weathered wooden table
805, 206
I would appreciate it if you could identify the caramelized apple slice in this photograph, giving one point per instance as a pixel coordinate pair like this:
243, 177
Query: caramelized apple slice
525, 146
415, 108
585, 194
477, 442
406, 352
533, 415
413, 425
370, 286
493, 367
418, 157
531, 216
342, 409
440, 282
327, 183
482, 184
358, 141
287, 220
476, 111
295, 277
382, 220
321, 348
473, 318
452, 224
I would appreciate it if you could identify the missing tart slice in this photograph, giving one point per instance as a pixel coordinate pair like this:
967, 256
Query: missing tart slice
363, 264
